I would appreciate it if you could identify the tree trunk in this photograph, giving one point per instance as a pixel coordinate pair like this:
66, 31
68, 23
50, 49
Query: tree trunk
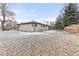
3, 25
3, 14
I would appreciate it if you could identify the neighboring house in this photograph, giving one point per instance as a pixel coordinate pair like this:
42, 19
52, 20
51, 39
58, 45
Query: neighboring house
32, 26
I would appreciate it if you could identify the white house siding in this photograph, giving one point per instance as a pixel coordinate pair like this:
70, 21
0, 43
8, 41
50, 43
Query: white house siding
26, 27
45, 28
39, 28
32, 27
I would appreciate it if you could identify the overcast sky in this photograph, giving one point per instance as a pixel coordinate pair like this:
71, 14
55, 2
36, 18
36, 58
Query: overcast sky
36, 11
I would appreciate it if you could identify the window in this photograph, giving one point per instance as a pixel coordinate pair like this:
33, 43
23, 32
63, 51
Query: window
41, 25
36, 25
32, 25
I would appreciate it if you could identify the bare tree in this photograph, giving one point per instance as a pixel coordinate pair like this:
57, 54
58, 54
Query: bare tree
5, 13
10, 24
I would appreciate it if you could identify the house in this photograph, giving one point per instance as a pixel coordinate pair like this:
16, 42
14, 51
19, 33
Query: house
32, 26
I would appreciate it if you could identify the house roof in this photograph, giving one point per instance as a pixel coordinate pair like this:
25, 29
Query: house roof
32, 22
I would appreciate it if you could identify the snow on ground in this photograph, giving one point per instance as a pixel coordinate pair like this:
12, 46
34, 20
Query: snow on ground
15, 32
56, 31
38, 43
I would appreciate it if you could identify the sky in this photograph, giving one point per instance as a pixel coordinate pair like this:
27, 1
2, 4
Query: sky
36, 11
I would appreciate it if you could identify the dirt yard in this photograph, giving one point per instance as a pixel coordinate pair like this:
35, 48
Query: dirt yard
50, 43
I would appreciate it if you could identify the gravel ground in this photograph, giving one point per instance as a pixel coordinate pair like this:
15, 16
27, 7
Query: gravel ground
49, 43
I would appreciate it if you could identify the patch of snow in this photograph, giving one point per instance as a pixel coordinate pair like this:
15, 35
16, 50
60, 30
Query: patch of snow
56, 31
32, 33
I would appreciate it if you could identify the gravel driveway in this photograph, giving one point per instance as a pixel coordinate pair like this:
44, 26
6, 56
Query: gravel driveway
49, 43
